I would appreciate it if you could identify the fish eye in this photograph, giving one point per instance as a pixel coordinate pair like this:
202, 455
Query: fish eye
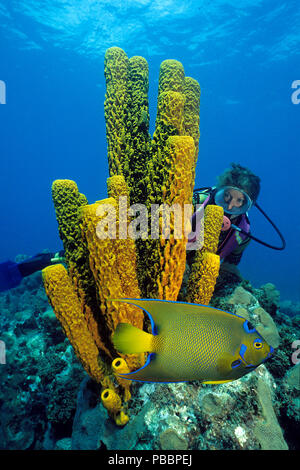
257, 343
236, 363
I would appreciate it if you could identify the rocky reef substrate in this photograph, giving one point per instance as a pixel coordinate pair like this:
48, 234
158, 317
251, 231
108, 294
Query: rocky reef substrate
47, 401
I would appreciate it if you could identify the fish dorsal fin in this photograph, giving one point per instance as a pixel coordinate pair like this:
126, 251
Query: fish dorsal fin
158, 311
161, 312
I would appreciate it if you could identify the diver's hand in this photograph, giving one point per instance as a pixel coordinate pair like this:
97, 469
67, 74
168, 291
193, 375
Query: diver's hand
58, 259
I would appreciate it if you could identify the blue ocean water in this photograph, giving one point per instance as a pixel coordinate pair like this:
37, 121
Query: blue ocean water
245, 56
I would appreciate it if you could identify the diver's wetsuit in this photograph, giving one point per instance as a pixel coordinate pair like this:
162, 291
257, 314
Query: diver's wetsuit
38, 262
235, 256
11, 273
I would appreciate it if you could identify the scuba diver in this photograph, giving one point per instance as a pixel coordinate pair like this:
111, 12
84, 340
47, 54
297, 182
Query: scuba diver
237, 191
11, 274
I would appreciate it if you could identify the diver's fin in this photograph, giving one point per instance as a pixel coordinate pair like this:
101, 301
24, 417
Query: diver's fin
128, 339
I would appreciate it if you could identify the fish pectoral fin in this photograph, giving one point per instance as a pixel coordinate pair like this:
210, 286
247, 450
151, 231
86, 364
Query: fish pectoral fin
129, 339
224, 368
224, 364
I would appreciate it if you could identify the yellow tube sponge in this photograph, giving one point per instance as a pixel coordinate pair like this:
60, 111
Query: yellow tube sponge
115, 107
67, 308
178, 193
67, 203
121, 419
213, 220
116, 187
113, 263
119, 366
92, 339
191, 112
138, 141
206, 265
127, 118
201, 283
169, 121
112, 402
171, 76
104, 260
147, 164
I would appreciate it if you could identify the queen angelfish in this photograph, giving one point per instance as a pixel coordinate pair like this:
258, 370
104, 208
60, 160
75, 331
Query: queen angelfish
191, 342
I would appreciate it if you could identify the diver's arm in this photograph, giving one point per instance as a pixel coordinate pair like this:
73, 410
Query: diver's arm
39, 261
235, 256
229, 264
199, 197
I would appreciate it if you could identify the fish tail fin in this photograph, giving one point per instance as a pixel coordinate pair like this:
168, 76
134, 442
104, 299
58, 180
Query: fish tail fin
128, 339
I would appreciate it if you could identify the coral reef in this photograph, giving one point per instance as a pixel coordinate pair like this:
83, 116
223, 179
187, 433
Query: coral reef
243, 303
39, 405
104, 262
40, 380
236, 416
41, 408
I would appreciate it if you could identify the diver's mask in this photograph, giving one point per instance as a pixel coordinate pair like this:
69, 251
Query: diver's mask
233, 200
221, 200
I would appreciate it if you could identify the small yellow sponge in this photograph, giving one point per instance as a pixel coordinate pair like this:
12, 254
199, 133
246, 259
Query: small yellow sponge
213, 220
201, 284
67, 308
119, 366
111, 401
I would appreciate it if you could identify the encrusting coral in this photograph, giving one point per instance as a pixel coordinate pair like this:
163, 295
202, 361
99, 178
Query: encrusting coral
104, 263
